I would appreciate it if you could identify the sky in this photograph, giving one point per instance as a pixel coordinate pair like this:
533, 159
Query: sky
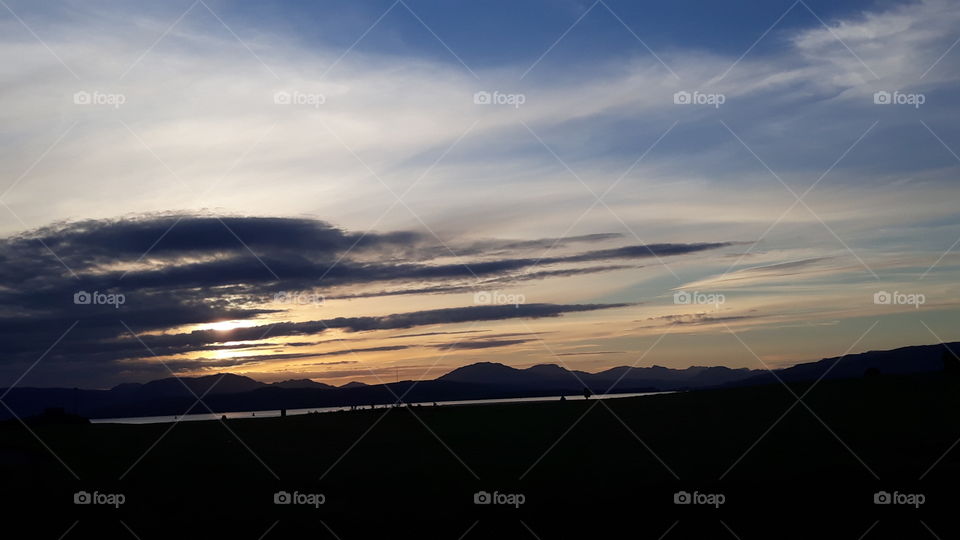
353, 190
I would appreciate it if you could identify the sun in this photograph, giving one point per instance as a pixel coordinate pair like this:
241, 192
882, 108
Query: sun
224, 326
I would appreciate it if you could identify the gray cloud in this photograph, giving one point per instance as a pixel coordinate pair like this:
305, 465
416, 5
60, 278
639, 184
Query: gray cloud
486, 344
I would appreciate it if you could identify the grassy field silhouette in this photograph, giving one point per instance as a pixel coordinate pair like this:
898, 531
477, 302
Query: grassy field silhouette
419, 469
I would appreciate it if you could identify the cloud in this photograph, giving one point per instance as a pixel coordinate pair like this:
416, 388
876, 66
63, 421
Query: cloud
425, 334
490, 341
175, 271
590, 353
506, 280
258, 358
475, 345
699, 318
200, 102
179, 270
188, 251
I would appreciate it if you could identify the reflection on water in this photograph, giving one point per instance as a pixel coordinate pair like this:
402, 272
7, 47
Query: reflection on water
290, 412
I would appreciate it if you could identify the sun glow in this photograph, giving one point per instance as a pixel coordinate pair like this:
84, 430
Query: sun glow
224, 326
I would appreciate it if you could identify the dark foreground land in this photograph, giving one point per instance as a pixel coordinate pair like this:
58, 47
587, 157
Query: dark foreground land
585, 469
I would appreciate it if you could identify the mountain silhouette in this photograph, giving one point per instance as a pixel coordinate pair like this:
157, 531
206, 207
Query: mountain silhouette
902, 361
221, 383
619, 378
301, 383
539, 376
484, 380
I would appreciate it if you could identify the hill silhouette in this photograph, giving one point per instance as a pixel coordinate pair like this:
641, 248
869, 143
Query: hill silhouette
902, 361
228, 392
552, 376
224, 383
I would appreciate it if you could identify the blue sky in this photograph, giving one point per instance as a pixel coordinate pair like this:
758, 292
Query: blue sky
388, 110
503, 32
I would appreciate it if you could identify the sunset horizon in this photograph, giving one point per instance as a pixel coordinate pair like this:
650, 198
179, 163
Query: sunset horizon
149, 174
517, 225
357, 327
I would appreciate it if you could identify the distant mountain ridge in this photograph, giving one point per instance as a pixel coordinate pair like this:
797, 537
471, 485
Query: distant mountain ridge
227, 392
221, 383
553, 376
912, 359
302, 383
